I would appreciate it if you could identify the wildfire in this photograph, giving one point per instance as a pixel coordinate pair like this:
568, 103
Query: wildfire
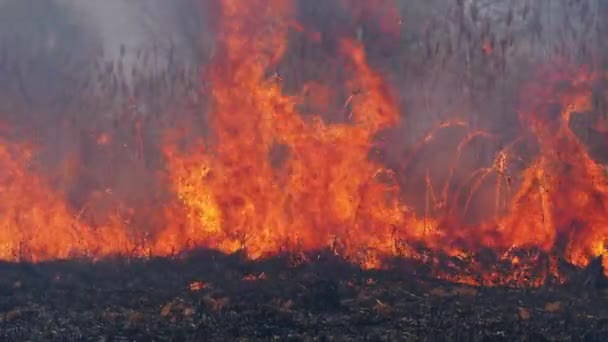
37, 224
323, 187
269, 179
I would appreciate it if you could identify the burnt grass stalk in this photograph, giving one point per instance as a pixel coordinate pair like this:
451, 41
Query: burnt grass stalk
207, 295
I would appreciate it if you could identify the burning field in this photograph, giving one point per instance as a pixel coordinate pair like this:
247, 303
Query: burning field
329, 169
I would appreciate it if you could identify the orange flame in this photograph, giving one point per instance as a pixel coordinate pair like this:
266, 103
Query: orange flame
239, 199
37, 223
269, 179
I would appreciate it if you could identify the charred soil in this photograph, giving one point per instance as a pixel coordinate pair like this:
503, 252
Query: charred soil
213, 296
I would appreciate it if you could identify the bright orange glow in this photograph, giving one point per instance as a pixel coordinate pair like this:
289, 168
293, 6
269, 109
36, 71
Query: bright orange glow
197, 286
269, 179
36, 223
103, 139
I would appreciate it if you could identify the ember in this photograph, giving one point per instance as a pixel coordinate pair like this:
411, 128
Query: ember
280, 153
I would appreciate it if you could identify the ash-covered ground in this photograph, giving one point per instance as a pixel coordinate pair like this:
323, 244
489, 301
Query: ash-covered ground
211, 296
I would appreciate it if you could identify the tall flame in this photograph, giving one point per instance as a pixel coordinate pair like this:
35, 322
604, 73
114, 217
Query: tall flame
268, 179
37, 224
565, 193
272, 178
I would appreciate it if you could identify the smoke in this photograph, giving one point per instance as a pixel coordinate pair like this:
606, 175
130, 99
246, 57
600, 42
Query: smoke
468, 60
77, 61
439, 43
131, 29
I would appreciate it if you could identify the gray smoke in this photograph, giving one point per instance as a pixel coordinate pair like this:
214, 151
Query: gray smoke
53, 52
127, 28
79, 60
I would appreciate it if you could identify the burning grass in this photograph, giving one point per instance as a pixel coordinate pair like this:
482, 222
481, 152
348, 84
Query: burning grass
268, 177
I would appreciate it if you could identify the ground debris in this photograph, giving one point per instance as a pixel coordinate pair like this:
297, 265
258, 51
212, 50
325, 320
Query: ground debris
173, 300
553, 306
524, 314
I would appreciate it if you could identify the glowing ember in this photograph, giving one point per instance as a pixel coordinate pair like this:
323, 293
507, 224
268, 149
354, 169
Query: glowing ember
103, 139
269, 179
252, 277
197, 286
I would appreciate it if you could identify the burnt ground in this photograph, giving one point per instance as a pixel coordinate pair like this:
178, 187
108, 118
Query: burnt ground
210, 296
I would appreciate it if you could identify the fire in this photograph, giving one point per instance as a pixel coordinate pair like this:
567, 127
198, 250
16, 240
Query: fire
103, 139
197, 286
565, 191
37, 223
325, 191
269, 179
320, 188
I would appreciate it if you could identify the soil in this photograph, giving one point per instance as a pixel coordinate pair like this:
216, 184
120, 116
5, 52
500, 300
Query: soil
208, 296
